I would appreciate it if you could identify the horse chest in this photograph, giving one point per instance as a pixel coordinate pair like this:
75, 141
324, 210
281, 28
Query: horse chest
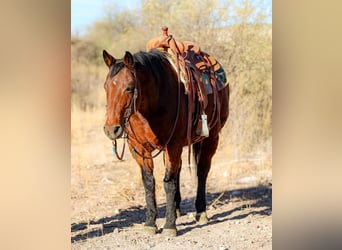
142, 133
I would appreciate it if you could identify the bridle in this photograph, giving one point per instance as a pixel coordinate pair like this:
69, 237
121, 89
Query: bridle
127, 115
133, 102
128, 112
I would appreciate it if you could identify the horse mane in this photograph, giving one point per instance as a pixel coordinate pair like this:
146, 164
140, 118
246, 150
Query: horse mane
153, 62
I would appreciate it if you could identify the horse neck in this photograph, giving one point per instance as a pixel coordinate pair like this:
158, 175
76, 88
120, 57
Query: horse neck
149, 94
155, 92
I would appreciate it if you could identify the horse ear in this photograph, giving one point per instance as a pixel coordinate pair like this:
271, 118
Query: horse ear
128, 60
108, 58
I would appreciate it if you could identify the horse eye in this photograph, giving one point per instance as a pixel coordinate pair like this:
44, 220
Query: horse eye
129, 89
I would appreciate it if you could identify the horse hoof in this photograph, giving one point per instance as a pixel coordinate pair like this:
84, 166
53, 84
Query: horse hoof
202, 218
169, 232
150, 230
178, 213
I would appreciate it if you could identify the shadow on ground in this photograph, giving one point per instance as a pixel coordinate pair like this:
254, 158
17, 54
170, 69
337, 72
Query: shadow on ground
251, 198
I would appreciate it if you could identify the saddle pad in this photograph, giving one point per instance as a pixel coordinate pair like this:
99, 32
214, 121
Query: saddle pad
220, 80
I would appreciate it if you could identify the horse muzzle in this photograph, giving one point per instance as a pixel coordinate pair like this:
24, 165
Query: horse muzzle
113, 132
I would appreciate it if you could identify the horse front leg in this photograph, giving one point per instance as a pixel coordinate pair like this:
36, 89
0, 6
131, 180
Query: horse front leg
171, 187
150, 196
146, 166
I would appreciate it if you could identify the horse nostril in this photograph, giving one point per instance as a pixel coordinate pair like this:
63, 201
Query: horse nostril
117, 130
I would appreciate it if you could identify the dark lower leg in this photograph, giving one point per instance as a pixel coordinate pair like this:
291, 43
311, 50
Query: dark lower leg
200, 202
151, 206
170, 186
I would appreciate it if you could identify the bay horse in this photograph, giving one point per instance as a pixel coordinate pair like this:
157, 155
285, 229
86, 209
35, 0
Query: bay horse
147, 103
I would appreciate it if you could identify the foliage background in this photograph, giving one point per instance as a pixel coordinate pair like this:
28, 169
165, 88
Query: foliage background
237, 33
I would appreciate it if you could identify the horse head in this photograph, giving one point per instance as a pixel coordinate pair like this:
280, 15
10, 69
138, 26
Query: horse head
121, 91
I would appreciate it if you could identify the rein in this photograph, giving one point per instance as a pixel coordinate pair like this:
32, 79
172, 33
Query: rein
128, 114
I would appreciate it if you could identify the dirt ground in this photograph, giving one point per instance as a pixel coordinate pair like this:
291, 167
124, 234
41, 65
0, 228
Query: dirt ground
107, 201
